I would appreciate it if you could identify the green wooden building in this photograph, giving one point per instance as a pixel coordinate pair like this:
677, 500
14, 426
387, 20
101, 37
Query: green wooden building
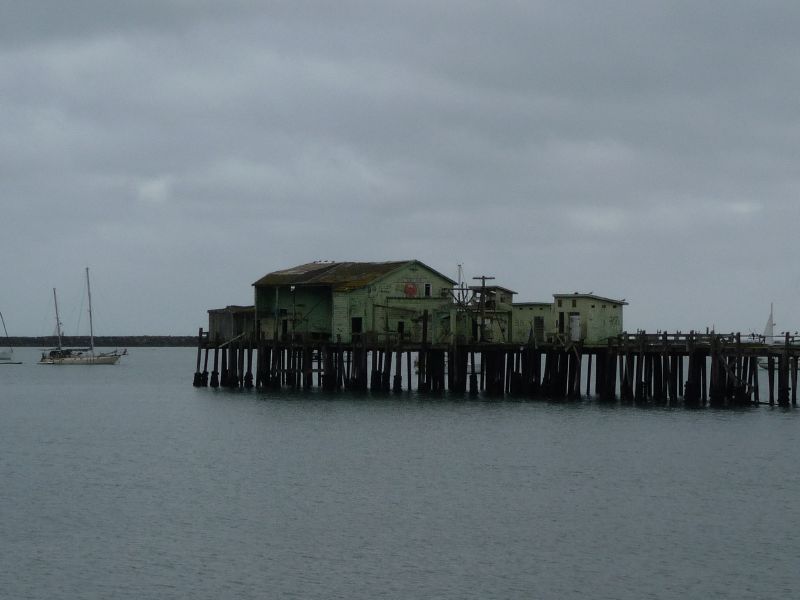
587, 318
386, 302
355, 301
531, 321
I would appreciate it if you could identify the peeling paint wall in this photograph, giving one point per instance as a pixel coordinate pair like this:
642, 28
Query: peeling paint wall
600, 318
395, 304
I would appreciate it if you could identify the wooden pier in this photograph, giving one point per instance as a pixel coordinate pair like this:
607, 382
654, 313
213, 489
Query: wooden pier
686, 369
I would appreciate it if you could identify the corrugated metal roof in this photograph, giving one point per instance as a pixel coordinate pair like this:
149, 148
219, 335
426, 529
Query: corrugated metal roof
590, 295
338, 275
301, 274
232, 308
491, 288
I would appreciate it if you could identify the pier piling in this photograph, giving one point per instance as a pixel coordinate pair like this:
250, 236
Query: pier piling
662, 369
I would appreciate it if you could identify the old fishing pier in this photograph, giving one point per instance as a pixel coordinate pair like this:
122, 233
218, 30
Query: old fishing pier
399, 326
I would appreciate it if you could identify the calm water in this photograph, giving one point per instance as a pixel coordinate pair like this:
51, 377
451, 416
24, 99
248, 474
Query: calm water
126, 482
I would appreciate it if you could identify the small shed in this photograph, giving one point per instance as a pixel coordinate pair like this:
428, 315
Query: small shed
227, 323
530, 321
587, 318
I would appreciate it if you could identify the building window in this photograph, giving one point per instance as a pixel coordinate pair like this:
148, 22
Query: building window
574, 303
427, 290
559, 302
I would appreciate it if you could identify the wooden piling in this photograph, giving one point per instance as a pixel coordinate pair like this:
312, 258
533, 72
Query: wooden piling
223, 379
397, 383
215, 372
783, 374
473, 377
771, 381
408, 370
387, 368
589, 375
204, 376
248, 377
198, 377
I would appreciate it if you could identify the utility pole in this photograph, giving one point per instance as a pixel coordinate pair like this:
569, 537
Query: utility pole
275, 334
294, 311
483, 279
460, 293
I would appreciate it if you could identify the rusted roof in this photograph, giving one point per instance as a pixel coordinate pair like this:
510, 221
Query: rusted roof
341, 276
299, 275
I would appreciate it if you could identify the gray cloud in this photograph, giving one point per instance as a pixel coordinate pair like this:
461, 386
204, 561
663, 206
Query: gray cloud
184, 149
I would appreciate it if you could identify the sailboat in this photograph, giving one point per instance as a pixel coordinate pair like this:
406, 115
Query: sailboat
769, 336
769, 328
79, 356
6, 356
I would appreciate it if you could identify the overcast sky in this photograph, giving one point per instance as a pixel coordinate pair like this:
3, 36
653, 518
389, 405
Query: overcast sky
182, 149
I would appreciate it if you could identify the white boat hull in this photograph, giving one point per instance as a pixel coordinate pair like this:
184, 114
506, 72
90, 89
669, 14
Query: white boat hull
56, 358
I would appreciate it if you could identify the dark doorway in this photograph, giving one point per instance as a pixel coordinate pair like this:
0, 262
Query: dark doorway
538, 329
355, 325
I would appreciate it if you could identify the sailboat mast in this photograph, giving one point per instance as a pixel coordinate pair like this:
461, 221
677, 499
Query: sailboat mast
4, 329
91, 326
58, 320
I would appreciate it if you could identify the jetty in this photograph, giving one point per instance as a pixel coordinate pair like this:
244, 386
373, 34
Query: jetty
106, 341
402, 326
688, 369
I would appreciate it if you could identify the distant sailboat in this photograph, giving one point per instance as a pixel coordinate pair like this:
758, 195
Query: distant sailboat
79, 356
6, 355
769, 336
769, 328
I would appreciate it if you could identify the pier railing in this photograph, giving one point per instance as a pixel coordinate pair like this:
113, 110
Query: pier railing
699, 339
